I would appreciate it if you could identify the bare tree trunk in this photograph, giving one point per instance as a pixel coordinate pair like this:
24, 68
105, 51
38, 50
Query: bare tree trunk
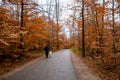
113, 22
57, 20
21, 29
83, 35
114, 33
102, 31
49, 12
73, 26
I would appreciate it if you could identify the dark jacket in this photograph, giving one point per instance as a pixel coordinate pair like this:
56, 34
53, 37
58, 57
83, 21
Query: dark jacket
46, 49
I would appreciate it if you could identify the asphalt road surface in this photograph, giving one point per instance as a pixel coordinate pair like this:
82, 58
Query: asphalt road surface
57, 67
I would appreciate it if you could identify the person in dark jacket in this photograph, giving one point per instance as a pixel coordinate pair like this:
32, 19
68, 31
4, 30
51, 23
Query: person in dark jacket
46, 50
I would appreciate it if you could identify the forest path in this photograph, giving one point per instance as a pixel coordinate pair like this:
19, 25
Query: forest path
57, 67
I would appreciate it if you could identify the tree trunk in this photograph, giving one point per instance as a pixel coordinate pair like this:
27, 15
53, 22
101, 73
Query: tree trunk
83, 35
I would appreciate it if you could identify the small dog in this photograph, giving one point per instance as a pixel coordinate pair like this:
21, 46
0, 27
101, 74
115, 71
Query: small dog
50, 53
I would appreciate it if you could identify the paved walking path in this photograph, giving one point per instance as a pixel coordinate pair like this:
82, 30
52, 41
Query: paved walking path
57, 67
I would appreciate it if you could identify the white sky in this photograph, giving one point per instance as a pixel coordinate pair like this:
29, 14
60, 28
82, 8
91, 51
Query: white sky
64, 13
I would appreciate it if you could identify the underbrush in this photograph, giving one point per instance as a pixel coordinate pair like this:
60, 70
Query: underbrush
76, 50
105, 71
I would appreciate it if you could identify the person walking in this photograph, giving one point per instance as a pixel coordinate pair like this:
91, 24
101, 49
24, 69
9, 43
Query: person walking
46, 50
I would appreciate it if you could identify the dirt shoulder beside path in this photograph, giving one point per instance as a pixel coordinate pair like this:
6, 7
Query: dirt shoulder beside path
82, 70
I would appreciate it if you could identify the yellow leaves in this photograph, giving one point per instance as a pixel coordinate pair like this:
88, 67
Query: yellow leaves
57, 27
10, 1
38, 32
118, 1
79, 23
100, 9
4, 42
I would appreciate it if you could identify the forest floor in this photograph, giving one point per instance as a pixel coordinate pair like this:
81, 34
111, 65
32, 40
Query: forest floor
89, 66
83, 71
